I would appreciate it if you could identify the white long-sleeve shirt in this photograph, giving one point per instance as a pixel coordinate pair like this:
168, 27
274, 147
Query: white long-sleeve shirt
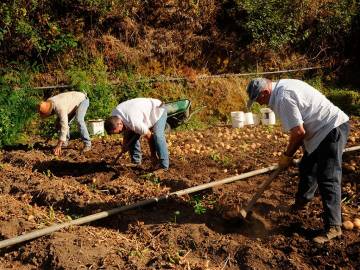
139, 114
296, 103
63, 105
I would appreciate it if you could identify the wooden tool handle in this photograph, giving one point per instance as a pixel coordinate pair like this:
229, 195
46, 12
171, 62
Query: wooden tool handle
264, 186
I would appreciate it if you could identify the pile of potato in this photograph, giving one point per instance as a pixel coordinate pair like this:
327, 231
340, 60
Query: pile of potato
349, 225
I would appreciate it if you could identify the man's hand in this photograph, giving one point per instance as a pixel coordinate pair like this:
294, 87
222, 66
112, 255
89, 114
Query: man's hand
148, 135
285, 162
57, 149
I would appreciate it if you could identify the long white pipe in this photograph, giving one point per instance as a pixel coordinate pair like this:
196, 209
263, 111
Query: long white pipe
104, 214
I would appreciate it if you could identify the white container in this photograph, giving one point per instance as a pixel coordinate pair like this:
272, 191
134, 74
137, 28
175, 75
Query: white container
249, 119
237, 119
257, 119
96, 127
267, 116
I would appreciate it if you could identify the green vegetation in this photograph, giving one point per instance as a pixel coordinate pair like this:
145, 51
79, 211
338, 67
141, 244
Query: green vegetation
222, 160
52, 214
278, 24
48, 173
127, 33
113, 50
101, 94
347, 100
152, 178
17, 107
198, 205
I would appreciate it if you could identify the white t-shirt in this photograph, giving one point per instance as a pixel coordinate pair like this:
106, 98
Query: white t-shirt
139, 114
296, 102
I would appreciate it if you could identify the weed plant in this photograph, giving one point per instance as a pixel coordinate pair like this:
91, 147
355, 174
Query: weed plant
198, 206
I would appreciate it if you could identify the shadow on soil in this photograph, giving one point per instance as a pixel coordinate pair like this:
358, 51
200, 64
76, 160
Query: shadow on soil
175, 211
67, 168
294, 228
28, 147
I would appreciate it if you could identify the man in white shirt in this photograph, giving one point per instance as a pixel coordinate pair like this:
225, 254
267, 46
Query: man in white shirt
322, 128
67, 106
141, 117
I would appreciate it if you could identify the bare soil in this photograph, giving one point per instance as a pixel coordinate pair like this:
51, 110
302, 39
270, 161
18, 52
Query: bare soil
188, 232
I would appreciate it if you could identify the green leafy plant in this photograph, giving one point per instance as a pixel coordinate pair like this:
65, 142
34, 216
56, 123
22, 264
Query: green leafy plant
223, 160
215, 156
48, 173
93, 187
138, 253
51, 214
151, 177
198, 206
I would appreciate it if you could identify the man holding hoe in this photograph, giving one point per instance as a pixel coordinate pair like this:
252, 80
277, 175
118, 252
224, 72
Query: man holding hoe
141, 117
322, 129
67, 106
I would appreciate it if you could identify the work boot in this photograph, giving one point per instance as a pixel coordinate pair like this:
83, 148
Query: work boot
328, 234
87, 148
159, 170
133, 165
299, 205
232, 213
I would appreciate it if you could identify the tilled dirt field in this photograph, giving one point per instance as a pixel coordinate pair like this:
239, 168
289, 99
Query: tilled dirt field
188, 232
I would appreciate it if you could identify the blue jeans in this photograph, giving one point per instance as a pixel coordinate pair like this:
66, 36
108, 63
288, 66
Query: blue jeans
159, 142
80, 119
322, 169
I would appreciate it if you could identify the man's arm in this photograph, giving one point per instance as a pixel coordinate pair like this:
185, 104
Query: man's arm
297, 135
64, 129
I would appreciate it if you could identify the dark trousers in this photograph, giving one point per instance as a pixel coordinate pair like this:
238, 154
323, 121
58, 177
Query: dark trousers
322, 169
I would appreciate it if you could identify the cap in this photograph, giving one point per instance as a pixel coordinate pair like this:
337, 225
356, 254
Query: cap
253, 90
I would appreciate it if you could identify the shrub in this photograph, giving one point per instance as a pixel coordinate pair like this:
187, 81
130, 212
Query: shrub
104, 95
93, 82
17, 108
32, 29
278, 24
133, 86
347, 100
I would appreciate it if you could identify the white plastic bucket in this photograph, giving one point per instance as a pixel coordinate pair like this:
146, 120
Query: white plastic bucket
237, 119
96, 127
257, 119
268, 116
249, 119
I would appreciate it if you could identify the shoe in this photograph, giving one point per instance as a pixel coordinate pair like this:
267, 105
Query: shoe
159, 171
328, 234
133, 165
299, 205
87, 148
232, 213
65, 144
